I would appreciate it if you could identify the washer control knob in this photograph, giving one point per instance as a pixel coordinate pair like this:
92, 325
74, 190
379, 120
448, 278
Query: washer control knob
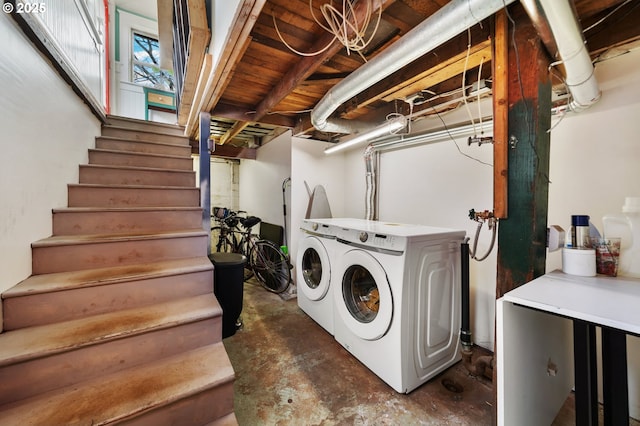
314, 226
363, 236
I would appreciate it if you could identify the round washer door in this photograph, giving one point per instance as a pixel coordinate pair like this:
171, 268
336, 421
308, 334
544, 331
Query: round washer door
314, 269
364, 301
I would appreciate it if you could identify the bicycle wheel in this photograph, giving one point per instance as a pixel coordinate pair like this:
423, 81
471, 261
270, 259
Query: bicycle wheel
271, 266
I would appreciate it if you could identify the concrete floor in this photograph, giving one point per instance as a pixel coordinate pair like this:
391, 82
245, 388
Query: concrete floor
289, 371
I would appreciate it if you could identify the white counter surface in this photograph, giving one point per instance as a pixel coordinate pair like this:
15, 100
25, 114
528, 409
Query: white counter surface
606, 301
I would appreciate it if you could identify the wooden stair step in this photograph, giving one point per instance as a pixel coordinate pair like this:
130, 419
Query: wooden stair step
139, 159
132, 175
194, 387
38, 359
43, 341
63, 296
228, 420
120, 144
135, 124
87, 195
143, 135
135, 220
81, 252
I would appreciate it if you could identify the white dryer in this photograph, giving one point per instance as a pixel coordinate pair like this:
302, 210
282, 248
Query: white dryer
397, 299
313, 270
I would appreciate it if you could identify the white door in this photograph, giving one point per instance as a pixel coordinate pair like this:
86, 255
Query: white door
364, 300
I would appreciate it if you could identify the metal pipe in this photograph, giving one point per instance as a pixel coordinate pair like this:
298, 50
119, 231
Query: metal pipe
451, 20
371, 157
559, 29
465, 326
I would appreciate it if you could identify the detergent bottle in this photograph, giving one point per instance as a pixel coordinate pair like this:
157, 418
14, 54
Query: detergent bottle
626, 225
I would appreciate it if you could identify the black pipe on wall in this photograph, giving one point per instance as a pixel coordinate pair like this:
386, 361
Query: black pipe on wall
465, 329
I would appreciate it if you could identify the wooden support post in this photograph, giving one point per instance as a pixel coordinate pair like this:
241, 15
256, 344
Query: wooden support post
205, 173
500, 64
522, 237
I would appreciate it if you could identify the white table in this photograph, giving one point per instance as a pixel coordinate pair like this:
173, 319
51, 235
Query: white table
538, 355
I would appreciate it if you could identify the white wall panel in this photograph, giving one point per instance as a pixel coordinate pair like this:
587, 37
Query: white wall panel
45, 133
261, 180
78, 34
309, 164
130, 101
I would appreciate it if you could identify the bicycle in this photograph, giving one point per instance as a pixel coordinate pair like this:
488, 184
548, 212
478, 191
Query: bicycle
265, 260
224, 232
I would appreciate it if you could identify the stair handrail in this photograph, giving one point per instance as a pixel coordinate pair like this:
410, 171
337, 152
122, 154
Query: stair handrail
191, 35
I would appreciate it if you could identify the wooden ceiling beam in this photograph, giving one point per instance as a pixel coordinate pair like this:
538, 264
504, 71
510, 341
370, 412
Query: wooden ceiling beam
423, 67
479, 54
235, 113
227, 151
309, 64
588, 8
619, 29
234, 131
235, 46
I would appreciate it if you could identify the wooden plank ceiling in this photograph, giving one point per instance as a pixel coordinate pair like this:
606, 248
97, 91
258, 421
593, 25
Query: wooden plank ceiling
270, 88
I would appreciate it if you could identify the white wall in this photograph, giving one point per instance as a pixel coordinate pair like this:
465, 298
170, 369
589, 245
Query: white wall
46, 132
224, 184
261, 180
595, 163
309, 164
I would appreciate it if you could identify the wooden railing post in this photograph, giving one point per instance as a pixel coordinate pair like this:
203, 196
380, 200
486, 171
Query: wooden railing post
205, 173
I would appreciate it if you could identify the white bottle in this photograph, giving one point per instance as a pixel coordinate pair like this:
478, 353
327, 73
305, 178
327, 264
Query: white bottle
626, 225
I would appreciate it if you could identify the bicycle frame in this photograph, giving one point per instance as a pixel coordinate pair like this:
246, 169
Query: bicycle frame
265, 260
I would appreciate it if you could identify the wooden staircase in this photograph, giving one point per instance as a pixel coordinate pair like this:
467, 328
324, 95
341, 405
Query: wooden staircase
118, 323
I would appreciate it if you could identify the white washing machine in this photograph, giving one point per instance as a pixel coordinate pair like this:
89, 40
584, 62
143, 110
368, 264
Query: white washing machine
313, 270
397, 299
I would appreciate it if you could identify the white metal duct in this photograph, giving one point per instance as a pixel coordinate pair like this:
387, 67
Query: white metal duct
451, 20
559, 29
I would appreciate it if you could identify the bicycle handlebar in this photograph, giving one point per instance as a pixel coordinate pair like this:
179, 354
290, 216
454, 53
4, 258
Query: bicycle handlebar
231, 218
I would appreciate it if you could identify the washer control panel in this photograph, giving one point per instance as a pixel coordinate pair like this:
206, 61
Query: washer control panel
368, 239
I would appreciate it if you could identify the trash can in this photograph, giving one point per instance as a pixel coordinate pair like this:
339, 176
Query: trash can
228, 280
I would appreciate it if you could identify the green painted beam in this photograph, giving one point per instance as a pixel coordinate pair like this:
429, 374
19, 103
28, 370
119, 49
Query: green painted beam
522, 236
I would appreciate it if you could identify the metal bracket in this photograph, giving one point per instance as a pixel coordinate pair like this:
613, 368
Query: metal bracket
513, 141
479, 140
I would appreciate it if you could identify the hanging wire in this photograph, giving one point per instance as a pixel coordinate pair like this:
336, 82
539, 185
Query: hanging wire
478, 89
560, 77
456, 143
340, 23
595, 24
530, 131
464, 81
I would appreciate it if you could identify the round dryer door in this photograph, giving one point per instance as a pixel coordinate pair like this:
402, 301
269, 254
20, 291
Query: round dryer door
364, 302
314, 268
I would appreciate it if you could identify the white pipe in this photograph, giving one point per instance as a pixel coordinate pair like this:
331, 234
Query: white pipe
431, 136
558, 17
449, 21
387, 128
